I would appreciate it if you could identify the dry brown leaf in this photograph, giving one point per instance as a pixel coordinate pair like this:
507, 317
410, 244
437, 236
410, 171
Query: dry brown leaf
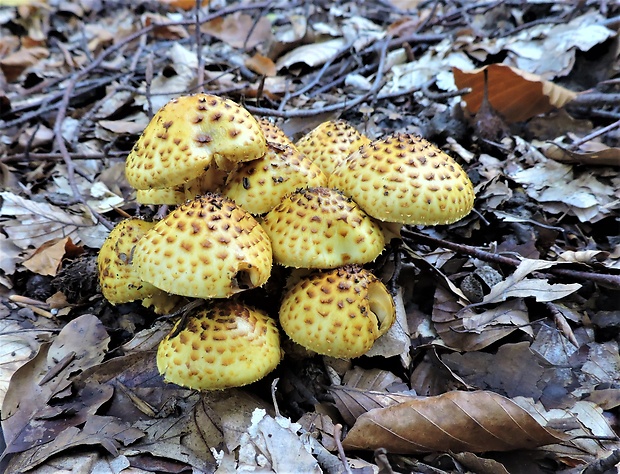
605, 157
15, 63
235, 28
455, 421
517, 95
47, 258
261, 65
183, 4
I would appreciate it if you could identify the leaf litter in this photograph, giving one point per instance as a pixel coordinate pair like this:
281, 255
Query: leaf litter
505, 351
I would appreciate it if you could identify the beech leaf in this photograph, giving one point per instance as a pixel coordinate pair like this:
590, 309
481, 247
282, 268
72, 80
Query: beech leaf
517, 95
455, 421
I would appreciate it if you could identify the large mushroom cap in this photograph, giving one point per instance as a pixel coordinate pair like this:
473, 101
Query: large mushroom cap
405, 179
259, 185
186, 135
206, 248
321, 228
225, 345
330, 143
339, 312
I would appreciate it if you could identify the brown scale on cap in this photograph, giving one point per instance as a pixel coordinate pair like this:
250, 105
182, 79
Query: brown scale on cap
330, 143
259, 185
405, 179
206, 248
321, 228
274, 134
118, 279
186, 135
228, 344
339, 313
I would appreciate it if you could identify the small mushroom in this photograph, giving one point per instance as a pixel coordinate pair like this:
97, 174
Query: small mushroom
321, 228
227, 344
259, 185
339, 313
330, 143
118, 279
407, 180
206, 248
189, 133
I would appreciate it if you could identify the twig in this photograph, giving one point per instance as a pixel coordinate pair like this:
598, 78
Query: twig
343, 457
340, 106
593, 135
606, 279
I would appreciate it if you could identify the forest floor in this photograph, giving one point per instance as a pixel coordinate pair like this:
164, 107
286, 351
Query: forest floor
505, 352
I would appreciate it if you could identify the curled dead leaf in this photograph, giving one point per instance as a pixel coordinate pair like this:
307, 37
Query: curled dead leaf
517, 95
454, 421
605, 157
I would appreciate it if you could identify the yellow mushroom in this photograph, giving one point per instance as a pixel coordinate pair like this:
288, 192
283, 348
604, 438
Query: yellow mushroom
405, 179
321, 228
227, 344
259, 185
187, 135
330, 143
339, 313
206, 248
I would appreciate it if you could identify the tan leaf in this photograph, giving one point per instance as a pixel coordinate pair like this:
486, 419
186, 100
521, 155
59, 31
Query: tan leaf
46, 259
516, 94
455, 421
605, 157
261, 65
313, 54
239, 30
14, 64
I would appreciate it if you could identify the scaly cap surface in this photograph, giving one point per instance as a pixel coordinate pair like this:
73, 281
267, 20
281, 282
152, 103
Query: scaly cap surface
206, 248
405, 179
339, 313
228, 344
259, 185
186, 134
274, 134
321, 228
330, 143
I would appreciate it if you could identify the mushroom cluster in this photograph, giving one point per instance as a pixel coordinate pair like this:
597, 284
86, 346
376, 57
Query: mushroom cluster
246, 198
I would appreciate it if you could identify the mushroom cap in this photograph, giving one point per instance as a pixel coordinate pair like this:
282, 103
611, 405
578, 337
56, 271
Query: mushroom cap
273, 133
321, 228
339, 313
330, 143
186, 134
405, 179
259, 185
206, 248
118, 279
227, 344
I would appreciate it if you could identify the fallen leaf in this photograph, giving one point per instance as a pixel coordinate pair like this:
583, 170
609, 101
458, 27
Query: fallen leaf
517, 95
38, 222
47, 258
607, 157
239, 30
14, 64
517, 286
455, 421
261, 65
312, 55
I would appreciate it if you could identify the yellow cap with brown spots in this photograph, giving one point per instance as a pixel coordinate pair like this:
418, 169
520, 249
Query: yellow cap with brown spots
186, 135
227, 344
321, 228
206, 248
405, 179
339, 313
